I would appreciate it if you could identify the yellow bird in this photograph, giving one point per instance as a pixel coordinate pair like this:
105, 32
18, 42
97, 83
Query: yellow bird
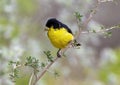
59, 34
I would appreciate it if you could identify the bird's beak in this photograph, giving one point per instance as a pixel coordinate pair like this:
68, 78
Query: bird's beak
46, 29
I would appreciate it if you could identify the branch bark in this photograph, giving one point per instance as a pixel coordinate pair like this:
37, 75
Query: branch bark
103, 30
44, 70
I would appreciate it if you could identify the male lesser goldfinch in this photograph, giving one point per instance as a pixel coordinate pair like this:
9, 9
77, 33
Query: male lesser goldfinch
59, 34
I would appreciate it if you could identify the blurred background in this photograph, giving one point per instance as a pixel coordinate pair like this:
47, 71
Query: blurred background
22, 24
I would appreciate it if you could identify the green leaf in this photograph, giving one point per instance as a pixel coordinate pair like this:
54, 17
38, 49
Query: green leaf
108, 34
49, 56
43, 65
14, 75
78, 16
94, 31
56, 74
33, 63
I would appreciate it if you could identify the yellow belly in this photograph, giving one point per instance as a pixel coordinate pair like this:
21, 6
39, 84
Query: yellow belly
59, 37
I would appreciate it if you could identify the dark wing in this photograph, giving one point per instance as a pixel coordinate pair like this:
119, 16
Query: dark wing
66, 27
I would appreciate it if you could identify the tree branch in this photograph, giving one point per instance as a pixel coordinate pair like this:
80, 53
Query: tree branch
31, 78
93, 11
44, 70
102, 30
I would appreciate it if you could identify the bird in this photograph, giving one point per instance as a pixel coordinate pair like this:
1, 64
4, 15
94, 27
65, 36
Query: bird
59, 34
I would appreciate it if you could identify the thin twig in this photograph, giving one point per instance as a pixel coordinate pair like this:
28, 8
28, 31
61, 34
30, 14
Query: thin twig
31, 78
102, 31
44, 71
79, 29
93, 11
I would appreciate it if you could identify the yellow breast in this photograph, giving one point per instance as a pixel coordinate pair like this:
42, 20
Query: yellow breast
59, 37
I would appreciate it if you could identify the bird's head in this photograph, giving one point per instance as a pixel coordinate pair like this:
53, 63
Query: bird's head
52, 22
